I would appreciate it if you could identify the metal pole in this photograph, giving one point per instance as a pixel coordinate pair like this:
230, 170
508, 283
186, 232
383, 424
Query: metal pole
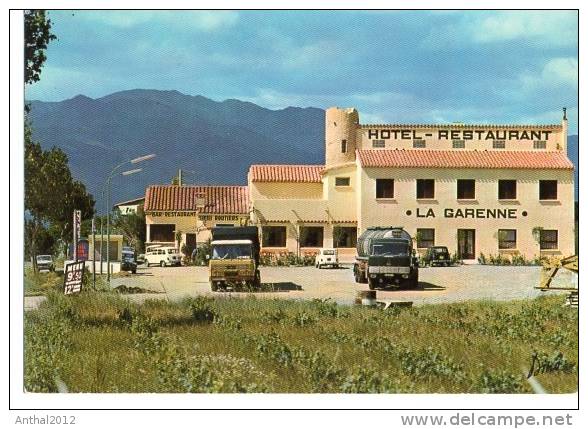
108, 231
101, 234
94, 252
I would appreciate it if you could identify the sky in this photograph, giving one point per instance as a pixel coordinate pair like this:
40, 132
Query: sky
481, 67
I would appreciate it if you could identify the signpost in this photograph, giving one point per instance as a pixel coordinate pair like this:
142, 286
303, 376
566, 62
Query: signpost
73, 277
77, 226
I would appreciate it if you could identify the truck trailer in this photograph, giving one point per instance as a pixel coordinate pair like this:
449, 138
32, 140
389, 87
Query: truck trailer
234, 258
385, 257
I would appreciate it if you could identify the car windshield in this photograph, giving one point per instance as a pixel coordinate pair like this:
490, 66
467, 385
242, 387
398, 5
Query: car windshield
328, 252
44, 258
128, 257
440, 249
231, 251
389, 248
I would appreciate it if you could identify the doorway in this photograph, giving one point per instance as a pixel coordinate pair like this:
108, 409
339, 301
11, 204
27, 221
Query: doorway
466, 243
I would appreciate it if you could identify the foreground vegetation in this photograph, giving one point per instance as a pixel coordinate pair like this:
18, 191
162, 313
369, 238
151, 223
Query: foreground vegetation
101, 342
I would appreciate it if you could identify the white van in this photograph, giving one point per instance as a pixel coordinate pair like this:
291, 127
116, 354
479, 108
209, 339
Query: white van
327, 257
162, 256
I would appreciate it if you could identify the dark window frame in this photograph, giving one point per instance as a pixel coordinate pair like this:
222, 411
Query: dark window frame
544, 194
506, 242
550, 244
458, 144
421, 188
423, 241
379, 144
265, 236
304, 238
499, 144
347, 236
504, 193
383, 192
462, 194
338, 181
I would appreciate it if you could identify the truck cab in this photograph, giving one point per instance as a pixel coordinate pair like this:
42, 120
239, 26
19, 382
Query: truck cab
234, 258
386, 258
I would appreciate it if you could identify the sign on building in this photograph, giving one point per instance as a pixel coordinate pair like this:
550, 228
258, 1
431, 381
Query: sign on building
77, 226
73, 277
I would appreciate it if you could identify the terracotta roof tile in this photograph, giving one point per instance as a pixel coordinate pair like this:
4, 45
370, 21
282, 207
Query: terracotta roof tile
479, 126
217, 199
464, 159
286, 173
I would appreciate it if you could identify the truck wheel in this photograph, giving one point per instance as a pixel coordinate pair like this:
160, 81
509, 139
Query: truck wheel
162, 264
213, 286
134, 271
372, 284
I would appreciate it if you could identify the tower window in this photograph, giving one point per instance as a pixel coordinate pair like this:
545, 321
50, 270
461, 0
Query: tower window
378, 143
343, 146
539, 144
419, 143
498, 144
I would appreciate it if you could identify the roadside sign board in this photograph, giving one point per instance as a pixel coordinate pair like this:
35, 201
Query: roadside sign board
77, 226
72, 278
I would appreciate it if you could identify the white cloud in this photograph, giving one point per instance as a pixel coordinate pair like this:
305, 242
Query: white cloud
214, 20
556, 28
206, 21
556, 74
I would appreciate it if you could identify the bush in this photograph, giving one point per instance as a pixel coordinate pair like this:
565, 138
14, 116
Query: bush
499, 382
201, 310
482, 259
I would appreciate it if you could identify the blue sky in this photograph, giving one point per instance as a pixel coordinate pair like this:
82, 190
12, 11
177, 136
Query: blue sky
398, 66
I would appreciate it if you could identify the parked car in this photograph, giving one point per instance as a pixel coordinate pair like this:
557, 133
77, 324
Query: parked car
128, 262
163, 256
437, 255
45, 263
327, 257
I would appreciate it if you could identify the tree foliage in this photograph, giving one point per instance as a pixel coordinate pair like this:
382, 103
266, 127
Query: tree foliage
37, 35
132, 227
51, 193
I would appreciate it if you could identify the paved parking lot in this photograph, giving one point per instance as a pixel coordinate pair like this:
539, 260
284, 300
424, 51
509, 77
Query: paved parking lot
436, 285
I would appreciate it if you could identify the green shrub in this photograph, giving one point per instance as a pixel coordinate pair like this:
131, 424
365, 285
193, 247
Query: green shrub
201, 310
499, 382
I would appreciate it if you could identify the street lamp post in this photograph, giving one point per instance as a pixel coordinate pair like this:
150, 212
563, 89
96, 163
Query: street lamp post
108, 182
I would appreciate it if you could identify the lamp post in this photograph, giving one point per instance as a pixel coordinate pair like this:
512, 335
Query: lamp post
108, 181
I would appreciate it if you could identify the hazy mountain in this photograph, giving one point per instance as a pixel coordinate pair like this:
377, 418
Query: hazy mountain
573, 153
213, 142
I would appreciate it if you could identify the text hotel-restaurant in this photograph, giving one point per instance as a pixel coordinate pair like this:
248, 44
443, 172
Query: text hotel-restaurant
492, 189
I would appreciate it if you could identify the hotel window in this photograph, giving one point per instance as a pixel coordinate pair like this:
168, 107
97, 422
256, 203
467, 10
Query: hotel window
273, 236
548, 239
507, 238
342, 181
458, 144
425, 188
311, 236
425, 237
384, 188
498, 144
507, 189
466, 189
378, 144
343, 146
548, 189
419, 144
539, 144
344, 236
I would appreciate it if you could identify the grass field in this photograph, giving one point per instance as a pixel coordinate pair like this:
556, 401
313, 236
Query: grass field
100, 342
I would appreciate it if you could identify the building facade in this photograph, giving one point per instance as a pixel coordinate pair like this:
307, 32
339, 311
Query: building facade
491, 189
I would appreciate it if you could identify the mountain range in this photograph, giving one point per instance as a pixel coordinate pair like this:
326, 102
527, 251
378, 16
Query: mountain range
212, 142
